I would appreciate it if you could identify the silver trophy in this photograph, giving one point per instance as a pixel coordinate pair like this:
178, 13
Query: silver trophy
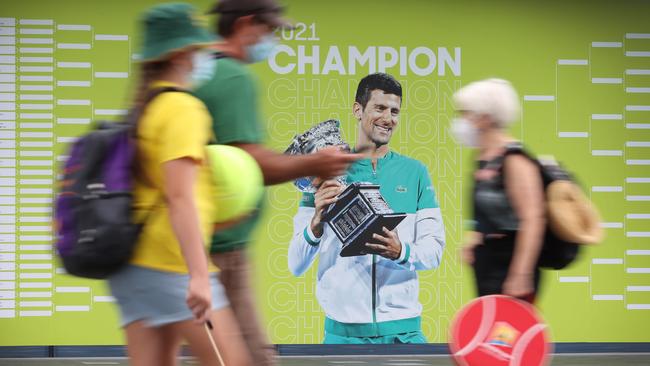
322, 135
361, 210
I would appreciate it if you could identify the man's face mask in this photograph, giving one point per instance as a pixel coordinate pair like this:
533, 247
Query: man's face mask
261, 50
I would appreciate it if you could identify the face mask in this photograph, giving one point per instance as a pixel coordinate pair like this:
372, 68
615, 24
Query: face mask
465, 132
204, 65
261, 50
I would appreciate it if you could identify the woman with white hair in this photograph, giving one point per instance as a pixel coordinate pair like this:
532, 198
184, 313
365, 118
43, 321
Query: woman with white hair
508, 196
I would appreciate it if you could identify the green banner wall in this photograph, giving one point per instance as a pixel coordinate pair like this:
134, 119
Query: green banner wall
582, 70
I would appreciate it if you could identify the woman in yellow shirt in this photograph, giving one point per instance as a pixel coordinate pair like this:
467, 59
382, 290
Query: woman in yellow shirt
169, 290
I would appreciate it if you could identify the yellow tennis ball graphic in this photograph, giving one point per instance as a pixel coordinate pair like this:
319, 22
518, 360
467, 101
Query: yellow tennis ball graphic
238, 182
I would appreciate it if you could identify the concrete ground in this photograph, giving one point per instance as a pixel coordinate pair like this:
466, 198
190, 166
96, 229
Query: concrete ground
437, 360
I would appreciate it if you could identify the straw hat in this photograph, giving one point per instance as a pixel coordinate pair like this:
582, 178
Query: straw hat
571, 216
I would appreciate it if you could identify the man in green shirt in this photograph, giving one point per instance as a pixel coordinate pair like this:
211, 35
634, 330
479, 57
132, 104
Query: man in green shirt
247, 28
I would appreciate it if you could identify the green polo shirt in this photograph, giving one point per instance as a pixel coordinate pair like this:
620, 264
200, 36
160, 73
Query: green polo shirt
231, 99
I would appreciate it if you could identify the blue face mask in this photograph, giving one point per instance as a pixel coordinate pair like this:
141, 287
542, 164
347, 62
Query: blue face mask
261, 50
204, 65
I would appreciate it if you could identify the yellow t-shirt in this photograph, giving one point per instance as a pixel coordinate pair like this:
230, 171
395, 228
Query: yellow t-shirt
174, 125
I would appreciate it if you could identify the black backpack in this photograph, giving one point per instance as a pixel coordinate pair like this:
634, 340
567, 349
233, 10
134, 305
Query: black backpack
96, 234
561, 243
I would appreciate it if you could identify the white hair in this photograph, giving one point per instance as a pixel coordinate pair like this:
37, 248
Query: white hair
495, 98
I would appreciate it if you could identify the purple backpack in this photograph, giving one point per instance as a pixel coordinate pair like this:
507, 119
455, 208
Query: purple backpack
93, 211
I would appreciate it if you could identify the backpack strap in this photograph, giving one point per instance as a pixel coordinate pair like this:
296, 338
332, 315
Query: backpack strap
517, 148
134, 115
133, 119
550, 169
219, 55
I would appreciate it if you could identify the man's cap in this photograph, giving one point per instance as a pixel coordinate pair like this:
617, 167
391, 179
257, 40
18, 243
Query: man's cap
172, 27
268, 11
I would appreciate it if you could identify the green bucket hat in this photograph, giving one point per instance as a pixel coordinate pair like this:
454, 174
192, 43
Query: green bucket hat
171, 27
